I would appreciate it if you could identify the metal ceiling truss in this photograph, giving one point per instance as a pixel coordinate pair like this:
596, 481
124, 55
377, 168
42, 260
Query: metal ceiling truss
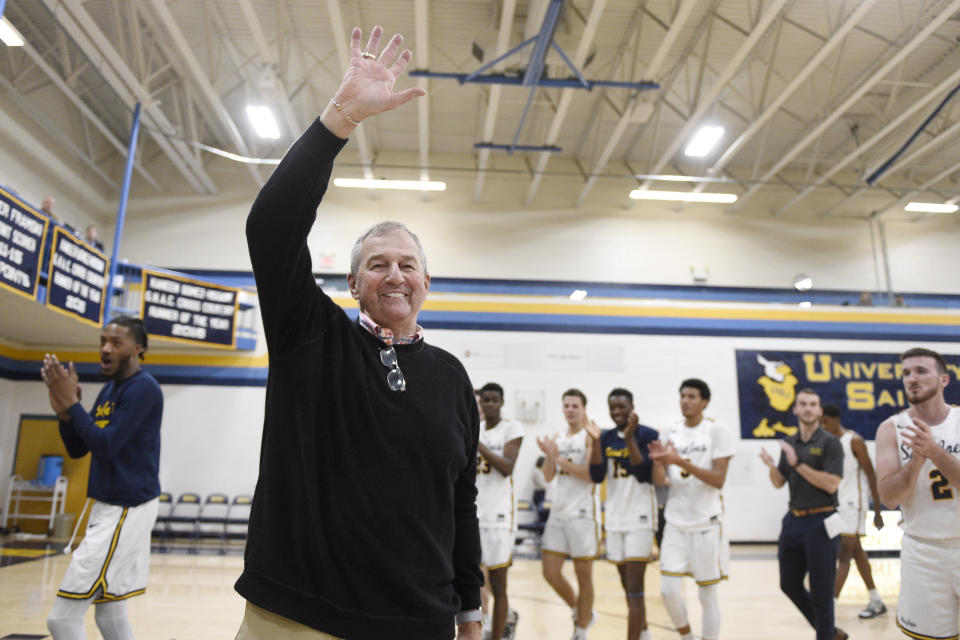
702, 105
189, 68
533, 76
832, 114
86, 112
637, 110
835, 39
422, 32
216, 110
83, 30
493, 100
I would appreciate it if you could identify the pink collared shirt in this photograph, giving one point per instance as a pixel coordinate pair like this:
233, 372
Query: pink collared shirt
385, 335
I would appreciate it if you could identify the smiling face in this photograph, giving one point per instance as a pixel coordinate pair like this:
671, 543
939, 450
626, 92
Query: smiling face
620, 409
391, 284
119, 352
922, 379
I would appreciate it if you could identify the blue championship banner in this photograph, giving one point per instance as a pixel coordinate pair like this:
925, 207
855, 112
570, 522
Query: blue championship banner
866, 387
23, 232
77, 278
187, 310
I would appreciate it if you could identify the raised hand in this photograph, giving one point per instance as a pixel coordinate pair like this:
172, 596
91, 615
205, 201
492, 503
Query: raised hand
790, 452
663, 452
367, 86
62, 384
592, 429
548, 445
919, 438
767, 458
632, 421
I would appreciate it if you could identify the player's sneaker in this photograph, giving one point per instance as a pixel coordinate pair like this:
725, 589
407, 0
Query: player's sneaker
593, 618
874, 609
510, 629
581, 634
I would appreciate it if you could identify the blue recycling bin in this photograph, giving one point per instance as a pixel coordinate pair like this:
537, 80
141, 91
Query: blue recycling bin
49, 469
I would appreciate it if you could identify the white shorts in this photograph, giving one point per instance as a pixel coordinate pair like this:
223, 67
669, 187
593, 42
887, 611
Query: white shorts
113, 560
496, 547
854, 522
577, 538
703, 554
929, 588
629, 546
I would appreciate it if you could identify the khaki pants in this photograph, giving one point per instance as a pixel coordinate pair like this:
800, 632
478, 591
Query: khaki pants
260, 624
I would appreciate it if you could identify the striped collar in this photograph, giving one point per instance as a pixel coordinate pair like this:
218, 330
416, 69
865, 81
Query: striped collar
384, 334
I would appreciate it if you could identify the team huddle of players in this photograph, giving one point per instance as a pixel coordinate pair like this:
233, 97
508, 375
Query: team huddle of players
691, 458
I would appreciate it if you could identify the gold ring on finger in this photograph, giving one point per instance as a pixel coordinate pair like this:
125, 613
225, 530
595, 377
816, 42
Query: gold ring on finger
368, 55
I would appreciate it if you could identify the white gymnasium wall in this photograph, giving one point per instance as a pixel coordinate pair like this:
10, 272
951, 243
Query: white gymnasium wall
646, 244
211, 435
9, 420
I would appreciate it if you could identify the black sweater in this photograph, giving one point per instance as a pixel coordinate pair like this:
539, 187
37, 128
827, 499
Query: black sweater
364, 518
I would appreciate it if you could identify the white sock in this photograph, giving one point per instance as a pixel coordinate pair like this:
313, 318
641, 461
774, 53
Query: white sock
645, 635
579, 633
687, 636
875, 596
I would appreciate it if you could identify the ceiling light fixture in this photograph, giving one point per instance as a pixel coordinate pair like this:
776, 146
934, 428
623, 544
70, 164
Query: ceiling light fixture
704, 140
402, 185
931, 207
263, 121
9, 34
683, 196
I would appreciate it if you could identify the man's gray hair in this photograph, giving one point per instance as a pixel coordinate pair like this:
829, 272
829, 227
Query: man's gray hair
381, 229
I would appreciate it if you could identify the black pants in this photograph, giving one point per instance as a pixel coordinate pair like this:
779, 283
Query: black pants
805, 547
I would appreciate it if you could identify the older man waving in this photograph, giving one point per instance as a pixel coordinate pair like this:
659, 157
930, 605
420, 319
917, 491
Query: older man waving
364, 519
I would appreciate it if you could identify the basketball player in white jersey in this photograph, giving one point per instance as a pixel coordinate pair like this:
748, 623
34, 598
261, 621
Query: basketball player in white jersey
696, 452
858, 477
621, 456
496, 502
918, 469
573, 528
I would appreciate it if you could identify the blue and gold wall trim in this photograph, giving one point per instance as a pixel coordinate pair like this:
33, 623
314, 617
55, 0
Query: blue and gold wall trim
554, 314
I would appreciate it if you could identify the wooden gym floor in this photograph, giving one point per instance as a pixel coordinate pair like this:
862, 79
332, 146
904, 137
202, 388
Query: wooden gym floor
192, 596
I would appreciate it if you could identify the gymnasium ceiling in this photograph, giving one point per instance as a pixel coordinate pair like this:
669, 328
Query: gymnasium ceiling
814, 96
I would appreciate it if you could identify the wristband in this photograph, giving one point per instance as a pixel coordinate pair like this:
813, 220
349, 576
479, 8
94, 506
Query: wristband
470, 615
